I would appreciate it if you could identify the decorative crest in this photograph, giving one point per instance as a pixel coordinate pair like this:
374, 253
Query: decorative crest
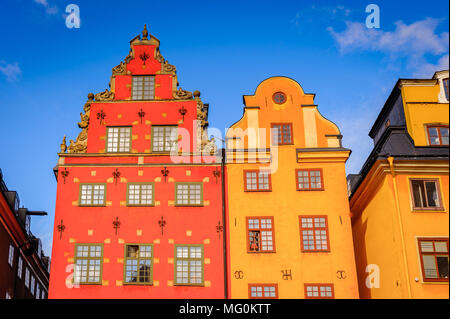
145, 33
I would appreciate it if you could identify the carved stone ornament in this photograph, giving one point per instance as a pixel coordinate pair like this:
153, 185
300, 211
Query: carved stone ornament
202, 113
104, 96
63, 145
208, 146
129, 57
166, 67
80, 145
158, 56
180, 94
119, 69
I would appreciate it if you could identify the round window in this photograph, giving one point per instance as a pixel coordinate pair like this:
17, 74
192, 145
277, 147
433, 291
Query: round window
279, 97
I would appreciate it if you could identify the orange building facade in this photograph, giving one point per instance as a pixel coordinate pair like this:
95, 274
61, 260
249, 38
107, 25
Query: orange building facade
139, 199
288, 218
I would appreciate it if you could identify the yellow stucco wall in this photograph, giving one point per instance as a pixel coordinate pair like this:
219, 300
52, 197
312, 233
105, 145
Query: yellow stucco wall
422, 107
378, 231
385, 225
284, 202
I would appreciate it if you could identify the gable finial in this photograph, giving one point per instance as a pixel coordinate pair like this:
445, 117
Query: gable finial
145, 33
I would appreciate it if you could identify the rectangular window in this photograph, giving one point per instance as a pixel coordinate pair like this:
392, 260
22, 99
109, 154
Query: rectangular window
38, 291
92, 195
138, 264
32, 283
143, 88
445, 83
11, 255
309, 179
257, 181
140, 194
43, 294
319, 291
27, 277
282, 133
88, 263
260, 234
188, 194
118, 139
263, 291
165, 138
314, 233
188, 264
438, 135
425, 194
19, 267
434, 258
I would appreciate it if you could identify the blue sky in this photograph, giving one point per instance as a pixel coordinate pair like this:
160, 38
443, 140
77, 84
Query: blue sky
224, 49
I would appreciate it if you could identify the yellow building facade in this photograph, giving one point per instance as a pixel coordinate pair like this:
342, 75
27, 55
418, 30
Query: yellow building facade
400, 199
288, 218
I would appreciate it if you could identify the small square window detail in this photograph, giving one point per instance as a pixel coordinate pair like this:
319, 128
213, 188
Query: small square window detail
19, 267
32, 284
425, 194
139, 264
11, 255
281, 133
143, 88
88, 263
189, 265
263, 291
445, 84
92, 195
309, 179
314, 234
438, 135
260, 232
118, 139
27, 277
319, 291
188, 194
140, 194
257, 181
434, 258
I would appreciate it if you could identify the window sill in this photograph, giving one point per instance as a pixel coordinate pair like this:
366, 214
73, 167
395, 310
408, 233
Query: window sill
82, 205
190, 285
261, 252
428, 210
437, 282
315, 251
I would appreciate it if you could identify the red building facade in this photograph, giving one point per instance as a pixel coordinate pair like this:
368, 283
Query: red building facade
139, 208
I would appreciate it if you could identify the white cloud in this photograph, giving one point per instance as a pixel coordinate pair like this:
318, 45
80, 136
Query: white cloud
412, 42
48, 8
427, 69
12, 71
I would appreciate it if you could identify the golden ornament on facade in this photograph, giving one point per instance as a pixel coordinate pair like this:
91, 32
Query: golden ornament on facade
80, 145
166, 67
104, 96
119, 69
181, 94
63, 145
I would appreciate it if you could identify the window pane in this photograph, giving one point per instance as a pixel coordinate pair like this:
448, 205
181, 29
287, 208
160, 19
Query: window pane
442, 262
418, 193
429, 265
432, 195
441, 246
